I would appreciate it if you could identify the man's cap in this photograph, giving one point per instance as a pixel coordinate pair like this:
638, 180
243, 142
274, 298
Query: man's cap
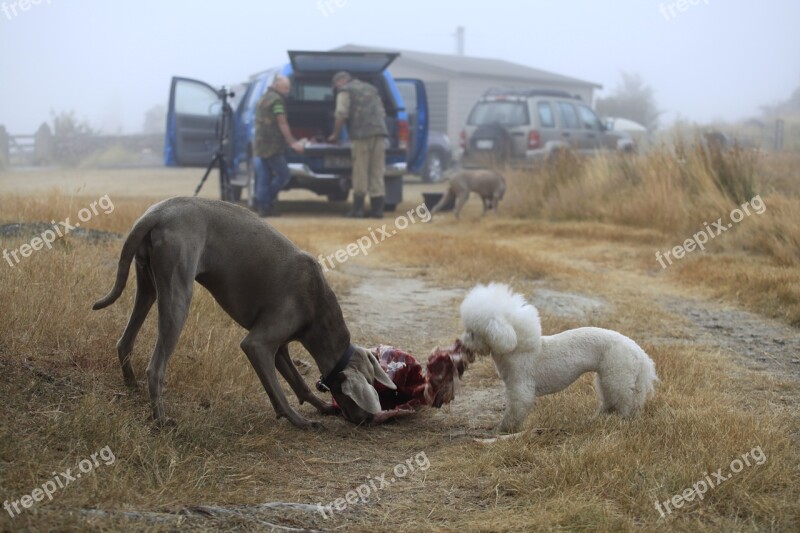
339, 75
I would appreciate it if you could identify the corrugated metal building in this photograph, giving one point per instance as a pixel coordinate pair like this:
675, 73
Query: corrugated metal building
454, 83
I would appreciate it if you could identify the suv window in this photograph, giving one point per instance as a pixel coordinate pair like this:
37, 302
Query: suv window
589, 119
192, 99
499, 112
568, 116
546, 117
312, 91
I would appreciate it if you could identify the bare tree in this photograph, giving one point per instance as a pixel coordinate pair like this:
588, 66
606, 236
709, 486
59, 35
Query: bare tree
632, 99
789, 107
66, 124
155, 120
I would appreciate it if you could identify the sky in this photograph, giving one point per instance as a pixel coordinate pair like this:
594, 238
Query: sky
110, 62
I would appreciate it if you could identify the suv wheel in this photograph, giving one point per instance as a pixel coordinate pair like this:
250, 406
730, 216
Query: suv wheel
500, 151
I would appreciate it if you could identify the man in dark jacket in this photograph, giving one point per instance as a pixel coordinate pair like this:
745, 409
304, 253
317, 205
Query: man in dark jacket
272, 138
359, 105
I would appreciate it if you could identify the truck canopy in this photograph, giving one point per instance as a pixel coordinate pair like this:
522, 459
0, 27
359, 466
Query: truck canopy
330, 62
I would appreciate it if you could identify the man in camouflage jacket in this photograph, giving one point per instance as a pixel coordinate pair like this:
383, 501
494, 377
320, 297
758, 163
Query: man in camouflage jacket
272, 138
359, 105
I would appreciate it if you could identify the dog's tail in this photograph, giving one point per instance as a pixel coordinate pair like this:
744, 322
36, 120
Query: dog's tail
448, 196
139, 231
646, 379
501, 189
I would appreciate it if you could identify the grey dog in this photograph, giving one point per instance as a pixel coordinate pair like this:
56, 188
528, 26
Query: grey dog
264, 282
490, 186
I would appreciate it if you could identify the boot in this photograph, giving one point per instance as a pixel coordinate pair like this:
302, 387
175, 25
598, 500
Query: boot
376, 205
358, 207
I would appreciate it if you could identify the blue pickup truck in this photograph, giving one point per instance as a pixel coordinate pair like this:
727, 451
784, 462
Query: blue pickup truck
196, 109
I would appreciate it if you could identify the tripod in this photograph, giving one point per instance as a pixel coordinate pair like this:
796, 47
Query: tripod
220, 159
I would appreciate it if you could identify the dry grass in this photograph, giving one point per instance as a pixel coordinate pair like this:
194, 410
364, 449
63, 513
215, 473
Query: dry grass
676, 192
63, 398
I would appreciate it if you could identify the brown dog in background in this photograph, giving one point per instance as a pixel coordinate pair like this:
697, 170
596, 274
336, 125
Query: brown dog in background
490, 186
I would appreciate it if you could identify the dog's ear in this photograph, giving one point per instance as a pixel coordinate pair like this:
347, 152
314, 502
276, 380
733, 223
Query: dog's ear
501, 335
357, 388
381, 376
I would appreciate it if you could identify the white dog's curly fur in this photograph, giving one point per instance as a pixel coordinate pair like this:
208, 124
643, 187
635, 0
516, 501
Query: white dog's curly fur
501, 323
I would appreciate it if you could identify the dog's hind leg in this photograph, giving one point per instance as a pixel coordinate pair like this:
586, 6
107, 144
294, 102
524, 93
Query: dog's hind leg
445, 198
461, 199
616, 395
145, 297
603, 404
289, 372
262, 351
173, 270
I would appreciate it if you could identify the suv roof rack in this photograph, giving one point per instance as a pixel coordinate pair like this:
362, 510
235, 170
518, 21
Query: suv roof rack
499, 91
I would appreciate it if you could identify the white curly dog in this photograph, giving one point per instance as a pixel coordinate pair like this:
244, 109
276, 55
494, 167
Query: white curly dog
501, 323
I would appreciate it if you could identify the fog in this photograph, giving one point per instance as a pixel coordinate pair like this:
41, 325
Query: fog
111, 61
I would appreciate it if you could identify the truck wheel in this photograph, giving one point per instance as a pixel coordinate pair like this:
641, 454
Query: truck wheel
251, 184
338, 196
433, 170
229, 195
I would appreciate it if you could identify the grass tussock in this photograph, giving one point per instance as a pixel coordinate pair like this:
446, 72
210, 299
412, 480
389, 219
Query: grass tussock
674, 191
669, 196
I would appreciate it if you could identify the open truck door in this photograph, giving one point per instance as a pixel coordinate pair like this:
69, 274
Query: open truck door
193, 121
199, 132
415, 100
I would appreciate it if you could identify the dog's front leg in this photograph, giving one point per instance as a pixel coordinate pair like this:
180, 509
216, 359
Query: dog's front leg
262, 355
298, 384
519, 402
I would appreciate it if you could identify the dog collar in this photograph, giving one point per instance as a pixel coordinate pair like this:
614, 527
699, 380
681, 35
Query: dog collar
324, 383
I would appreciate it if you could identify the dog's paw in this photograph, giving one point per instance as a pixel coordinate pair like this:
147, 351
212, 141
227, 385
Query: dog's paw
306, 424
164, 423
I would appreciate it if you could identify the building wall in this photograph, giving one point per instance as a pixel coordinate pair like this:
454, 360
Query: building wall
438, 95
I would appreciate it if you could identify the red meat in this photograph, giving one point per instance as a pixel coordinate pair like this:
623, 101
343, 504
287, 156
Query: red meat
415, 390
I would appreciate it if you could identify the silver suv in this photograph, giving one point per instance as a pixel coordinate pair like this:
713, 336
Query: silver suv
524, 125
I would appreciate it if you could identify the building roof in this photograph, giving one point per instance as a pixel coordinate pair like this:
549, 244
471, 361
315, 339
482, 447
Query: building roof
476, 66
